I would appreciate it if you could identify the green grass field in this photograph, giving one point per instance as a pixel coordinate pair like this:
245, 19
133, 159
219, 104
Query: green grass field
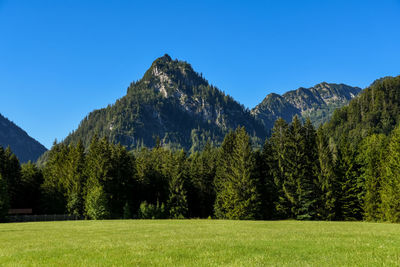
199, 243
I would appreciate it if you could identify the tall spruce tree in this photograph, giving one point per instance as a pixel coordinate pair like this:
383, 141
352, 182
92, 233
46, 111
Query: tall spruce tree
295, 167
238, 194
11, 170
266, 165
32, 179
98, 171
390, 192
349, 202
372, 155
202, 172
329, 187
75, 179
4, 199
307, 182
122, 184
280, 152
53, 190
177, 202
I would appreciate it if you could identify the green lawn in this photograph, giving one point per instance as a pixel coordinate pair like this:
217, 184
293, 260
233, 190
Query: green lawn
199, 243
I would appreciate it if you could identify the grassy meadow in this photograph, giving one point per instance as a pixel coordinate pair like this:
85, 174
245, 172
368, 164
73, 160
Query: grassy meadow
199, 243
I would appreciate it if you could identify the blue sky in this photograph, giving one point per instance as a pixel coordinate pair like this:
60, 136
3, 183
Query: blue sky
59, 60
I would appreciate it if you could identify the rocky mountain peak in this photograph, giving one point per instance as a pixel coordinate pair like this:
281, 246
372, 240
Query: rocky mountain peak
172, 77
317, 102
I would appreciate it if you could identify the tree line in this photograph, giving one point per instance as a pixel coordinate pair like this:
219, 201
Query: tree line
300, 173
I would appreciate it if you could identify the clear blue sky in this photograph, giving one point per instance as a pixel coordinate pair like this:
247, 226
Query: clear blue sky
59, 60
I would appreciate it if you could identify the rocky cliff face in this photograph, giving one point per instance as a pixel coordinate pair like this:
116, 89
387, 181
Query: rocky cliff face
317, 103
22, 145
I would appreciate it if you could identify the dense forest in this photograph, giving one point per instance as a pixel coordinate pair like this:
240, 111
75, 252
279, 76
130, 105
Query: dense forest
347, 169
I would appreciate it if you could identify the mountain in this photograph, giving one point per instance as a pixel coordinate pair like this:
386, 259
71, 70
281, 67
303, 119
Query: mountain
317, 103
22, 145
375, 111
173, 104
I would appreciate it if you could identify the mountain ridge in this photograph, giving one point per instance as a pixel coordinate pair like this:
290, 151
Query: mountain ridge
171, 102
22, 145
305, 102
176, 105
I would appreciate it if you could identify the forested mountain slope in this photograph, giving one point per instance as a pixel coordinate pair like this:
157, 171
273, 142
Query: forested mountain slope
25, 147
173, 103
376, 110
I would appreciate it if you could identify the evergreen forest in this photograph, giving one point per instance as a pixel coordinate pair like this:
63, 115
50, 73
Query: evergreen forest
347, 169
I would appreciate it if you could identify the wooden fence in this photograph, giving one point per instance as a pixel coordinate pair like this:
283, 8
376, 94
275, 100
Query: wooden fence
43, 218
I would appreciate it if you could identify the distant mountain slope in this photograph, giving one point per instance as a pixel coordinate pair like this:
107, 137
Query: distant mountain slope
22, 145
171, 102
376, 110
317, 102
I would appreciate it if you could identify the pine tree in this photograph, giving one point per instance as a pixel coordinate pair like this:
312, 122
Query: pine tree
266, 164
4, 199
295, 167
75, 179
238, 194
223, 171
329, 187
202, 174
371, 158
280, 150
152, 180
307, 182
350, 206
122, 184
98, 172
53, 190
177, 203
11, 170
32, 179
390, 192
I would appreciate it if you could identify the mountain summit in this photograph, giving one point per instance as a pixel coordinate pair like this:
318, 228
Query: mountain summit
171, 102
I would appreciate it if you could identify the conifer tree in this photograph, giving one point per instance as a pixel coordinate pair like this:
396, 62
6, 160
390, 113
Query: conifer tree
223, 172
11, 170
371, 158
53, 190
122, 184
75, 179
329, 188
31, 179
307, 181
390, 192
266, 165
177, 202
4, 199
153, 183
98, 171
350, 206
202, 174
280, 150
238, 194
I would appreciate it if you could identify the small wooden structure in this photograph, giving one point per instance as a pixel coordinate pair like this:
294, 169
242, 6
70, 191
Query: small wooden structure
19, 211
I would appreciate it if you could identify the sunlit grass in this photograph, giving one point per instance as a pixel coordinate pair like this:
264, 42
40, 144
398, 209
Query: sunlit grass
199, 243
